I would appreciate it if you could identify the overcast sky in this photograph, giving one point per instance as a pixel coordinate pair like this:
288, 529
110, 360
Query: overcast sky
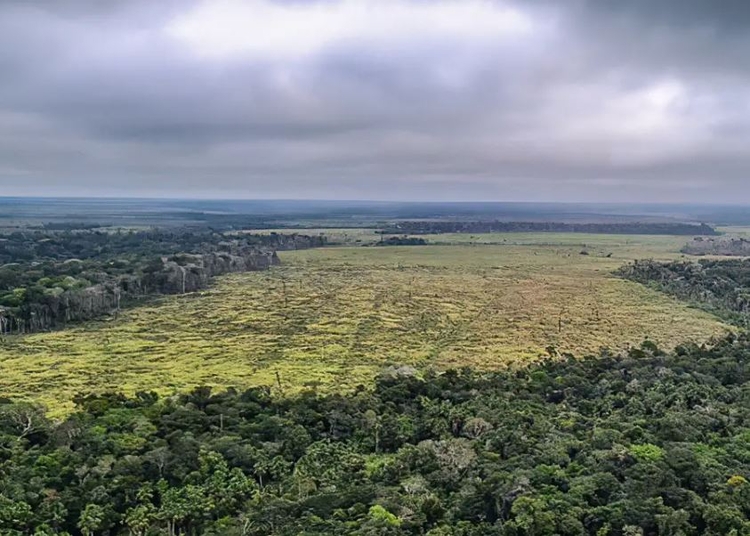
574, 100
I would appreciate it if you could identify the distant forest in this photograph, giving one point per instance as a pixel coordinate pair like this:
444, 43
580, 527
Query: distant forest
401, 241
642, 444
439, 227
48, 279
259, 214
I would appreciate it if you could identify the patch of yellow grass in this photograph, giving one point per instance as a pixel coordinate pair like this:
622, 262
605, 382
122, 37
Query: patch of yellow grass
332, 317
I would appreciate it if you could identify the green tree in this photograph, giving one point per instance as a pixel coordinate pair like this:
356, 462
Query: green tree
91, 519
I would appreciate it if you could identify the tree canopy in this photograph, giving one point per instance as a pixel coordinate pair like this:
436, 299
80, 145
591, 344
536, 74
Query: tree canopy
645, 443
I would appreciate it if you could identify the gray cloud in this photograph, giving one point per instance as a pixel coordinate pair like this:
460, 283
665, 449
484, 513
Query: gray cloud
447, 100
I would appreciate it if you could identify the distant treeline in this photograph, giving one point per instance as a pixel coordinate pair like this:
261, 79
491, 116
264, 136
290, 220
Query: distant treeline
721, 286
401, 241
734, 247
85, 244
49, 279
649, 443
439, 227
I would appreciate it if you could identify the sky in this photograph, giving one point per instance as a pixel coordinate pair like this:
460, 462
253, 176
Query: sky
439, 100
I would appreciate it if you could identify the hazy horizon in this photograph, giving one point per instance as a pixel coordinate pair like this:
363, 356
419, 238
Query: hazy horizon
374, 201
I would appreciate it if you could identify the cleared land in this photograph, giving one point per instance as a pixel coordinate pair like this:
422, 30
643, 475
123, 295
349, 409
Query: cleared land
332, 317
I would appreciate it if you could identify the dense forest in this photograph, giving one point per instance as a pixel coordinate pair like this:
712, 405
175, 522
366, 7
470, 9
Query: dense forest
41, 246
48, 279
721, 286
645, 443
401, 241
438, 227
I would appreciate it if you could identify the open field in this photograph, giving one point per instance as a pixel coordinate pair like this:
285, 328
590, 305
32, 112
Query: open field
332, 317
621, 246
736, 231
339, 236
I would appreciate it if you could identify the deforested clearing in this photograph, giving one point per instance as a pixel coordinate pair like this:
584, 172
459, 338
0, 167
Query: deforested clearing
331, 318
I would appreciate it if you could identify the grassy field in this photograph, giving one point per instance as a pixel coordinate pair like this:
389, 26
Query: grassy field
332, 317
624, 246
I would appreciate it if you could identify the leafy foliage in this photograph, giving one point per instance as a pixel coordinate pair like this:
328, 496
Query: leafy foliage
645, 443
401, 241
721, 286
51, 278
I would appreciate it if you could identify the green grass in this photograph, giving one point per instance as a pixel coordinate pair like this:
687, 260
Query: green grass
339, 236
332, 317
622, 246
735, 231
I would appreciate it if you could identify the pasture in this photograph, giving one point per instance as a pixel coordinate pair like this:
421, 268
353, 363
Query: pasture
331, 318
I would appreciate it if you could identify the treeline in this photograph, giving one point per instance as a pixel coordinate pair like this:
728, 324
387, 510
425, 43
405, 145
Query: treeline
51, 279
643, 444
735, 247
401, 241
439, 227
721, 286
82, 244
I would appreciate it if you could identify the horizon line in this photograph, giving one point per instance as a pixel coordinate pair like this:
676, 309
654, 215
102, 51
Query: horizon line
373, 201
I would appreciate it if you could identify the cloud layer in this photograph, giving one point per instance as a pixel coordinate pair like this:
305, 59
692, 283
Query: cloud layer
379, 99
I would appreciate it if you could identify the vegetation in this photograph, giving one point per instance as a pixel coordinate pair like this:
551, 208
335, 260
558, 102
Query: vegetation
25, 246
730, 246
263, 214
721, 286
334, 316
50, 279
622, 247
645, 443
392, 390
638, 228
401, 241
